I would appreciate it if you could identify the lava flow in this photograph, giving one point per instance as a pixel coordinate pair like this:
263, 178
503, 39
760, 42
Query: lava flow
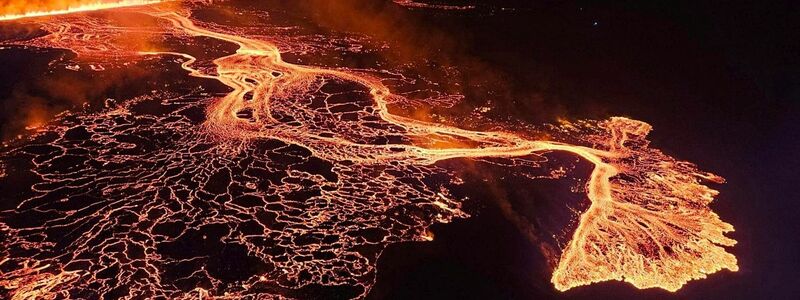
297, 178
15, 9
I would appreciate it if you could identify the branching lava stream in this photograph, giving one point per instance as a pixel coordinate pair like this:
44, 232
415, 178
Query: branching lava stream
305, 174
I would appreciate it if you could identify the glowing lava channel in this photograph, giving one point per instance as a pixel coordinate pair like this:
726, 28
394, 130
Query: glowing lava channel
75, 8
612, 235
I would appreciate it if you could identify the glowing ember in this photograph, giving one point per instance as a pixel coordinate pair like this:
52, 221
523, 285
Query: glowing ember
307, 173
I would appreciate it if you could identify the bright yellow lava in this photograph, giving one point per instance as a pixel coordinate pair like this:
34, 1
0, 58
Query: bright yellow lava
81, 7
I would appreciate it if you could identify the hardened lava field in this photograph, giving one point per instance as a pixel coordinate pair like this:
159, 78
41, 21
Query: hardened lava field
290, 180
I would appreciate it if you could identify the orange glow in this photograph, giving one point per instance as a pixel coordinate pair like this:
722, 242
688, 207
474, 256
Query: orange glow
36, 117
51, 8
29, 282
649, 222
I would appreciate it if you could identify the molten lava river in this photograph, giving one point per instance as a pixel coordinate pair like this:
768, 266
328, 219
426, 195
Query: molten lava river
276, 179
